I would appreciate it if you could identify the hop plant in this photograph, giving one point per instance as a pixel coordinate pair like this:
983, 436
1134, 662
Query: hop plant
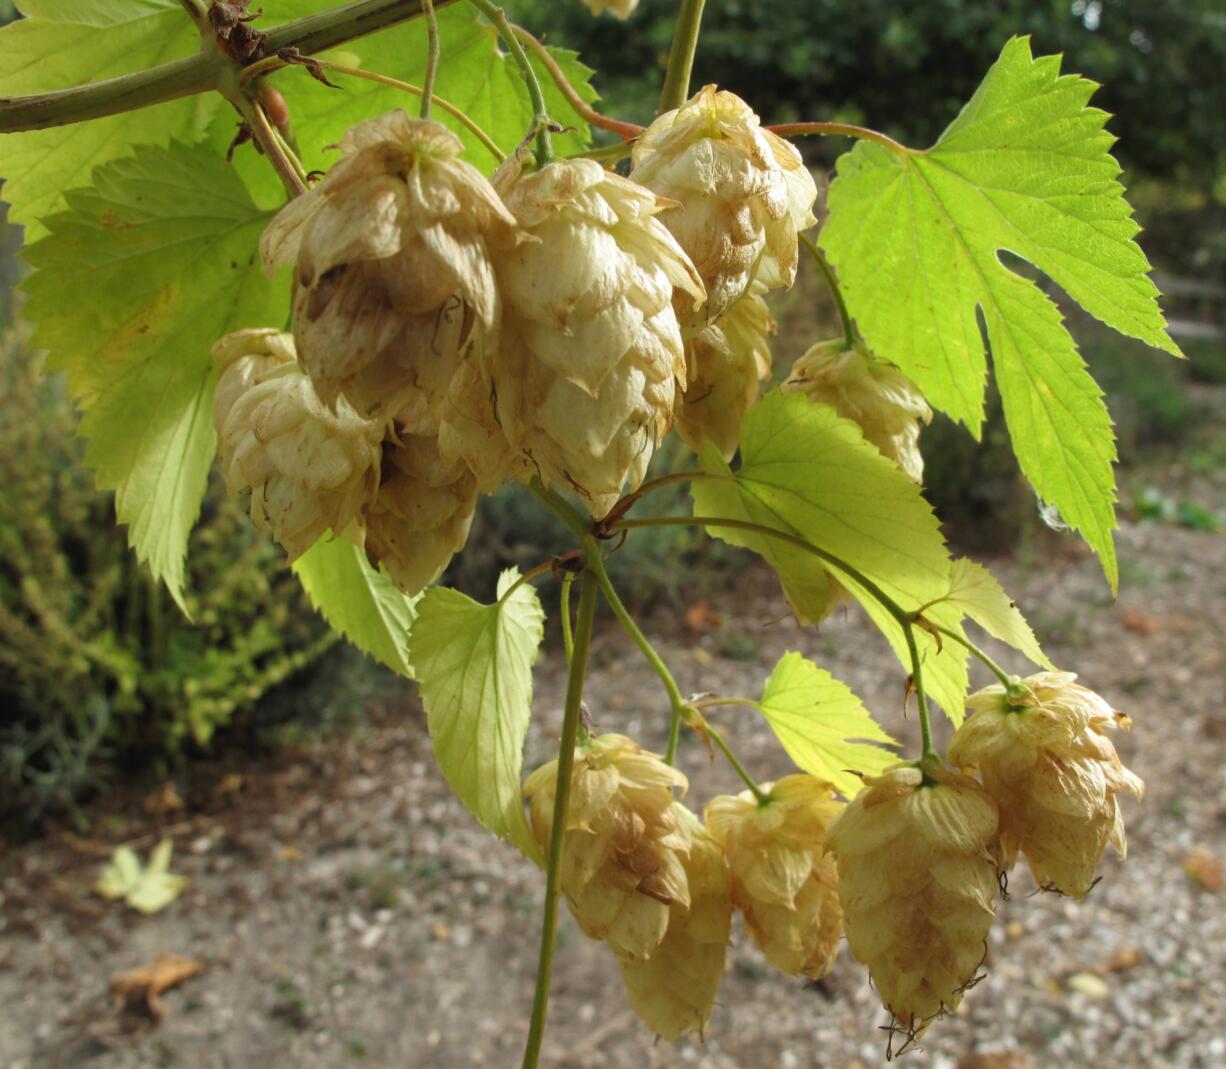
674, 990
783, 882
591, 355
622, 856
742, 194
391, 264
1042, 751
726, 364
917, 879
309, 468
871, 392
422, 513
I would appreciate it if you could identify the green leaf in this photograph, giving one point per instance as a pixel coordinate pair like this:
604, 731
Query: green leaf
149, 889
809, 473
63, 43
975, 591
818, 720
474, 74
917, 236
474, 664
361, 603
133, 284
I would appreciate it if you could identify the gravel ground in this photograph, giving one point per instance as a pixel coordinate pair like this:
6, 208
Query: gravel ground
348, 911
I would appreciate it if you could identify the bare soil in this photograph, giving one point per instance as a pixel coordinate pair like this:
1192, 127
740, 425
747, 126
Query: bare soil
350, 913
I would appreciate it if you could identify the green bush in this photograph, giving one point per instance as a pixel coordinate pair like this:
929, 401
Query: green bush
97, 666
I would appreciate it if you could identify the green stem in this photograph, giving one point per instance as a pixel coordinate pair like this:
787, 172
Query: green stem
676, 702
681, 57
201, 72
561, 508
568, 638
627, 131
433, 51
557, 833
838, 129
417, 90
762, 797
531, 573
819, 257
996, 669
541, 122
288, 170
904, 619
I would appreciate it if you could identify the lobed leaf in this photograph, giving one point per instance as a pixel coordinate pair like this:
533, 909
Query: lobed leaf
133, 284
818, 721
975, 591
474, 664
809, 473
359, 601
917, 240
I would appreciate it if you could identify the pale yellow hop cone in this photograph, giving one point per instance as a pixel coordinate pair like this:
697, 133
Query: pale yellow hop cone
469, 430
622, 857
674, 990
422, 513
726, 365
742, 194
391, 263
1044, 755
917, 881
871, 392
591, 356
309, 468
783, 882
244, 358
621, 9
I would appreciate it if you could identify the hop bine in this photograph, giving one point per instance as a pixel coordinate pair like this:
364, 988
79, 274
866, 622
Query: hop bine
1042, 750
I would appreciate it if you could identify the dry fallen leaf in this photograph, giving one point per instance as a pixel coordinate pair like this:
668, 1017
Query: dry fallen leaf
164, 800
700, 617
1123, 959
1140, 623
1089, 984
1205, 869
139, 988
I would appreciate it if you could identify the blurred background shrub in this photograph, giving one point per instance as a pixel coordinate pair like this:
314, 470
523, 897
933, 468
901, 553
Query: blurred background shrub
98, 668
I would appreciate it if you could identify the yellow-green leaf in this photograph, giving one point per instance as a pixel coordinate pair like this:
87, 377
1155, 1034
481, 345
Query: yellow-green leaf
474, 665
977, 593
822, 725
146, 888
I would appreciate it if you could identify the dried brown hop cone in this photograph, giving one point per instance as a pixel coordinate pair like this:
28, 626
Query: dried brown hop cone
590, 356
391, 264
726, 365
1043, 753
783, 881
917, 880
869, 391
309, 468
422, 513
742, 194
674, 990
623, 854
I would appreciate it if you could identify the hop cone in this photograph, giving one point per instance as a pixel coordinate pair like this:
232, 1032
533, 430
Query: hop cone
309, 468
591, 354
742, 193
726, 364
917, 881
391, 264
421, 515
622, 857
1044, 755
621, 9
869, 391
674, 990
783, 882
